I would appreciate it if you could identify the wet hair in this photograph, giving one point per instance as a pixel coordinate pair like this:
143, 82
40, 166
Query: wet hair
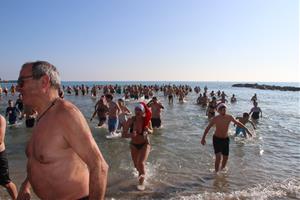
109, 96
41, 68
245, 114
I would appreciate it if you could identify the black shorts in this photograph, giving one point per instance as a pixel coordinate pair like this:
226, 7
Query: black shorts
84, 198
221, 145
4, 173
29, 122
156, 122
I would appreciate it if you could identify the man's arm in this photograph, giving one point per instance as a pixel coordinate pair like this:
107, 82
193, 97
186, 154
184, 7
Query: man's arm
211, 123
149, 129
239, 124
118, 107
6, 112
126, 127
78, 135
161, 106
24, 192
96, 105
253, 125
93, 115
2, 129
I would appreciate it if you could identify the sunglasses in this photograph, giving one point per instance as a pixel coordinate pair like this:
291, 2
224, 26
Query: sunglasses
22, 79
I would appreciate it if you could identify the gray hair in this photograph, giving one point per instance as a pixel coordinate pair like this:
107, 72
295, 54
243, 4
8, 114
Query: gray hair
41, 68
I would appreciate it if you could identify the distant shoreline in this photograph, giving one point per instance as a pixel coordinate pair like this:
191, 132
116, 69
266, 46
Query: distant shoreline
8, 81
267, 87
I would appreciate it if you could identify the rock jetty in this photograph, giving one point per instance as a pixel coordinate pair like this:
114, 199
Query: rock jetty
267, 87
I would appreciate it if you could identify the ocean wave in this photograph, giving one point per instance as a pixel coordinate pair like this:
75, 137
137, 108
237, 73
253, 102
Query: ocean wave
287, 189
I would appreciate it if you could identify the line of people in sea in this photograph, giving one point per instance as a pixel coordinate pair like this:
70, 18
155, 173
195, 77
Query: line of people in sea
64, 162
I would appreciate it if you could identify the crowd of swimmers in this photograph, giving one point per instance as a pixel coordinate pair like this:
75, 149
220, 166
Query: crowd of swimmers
120, 120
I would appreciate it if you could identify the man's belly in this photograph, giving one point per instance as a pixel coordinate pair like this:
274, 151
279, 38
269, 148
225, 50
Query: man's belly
66, 179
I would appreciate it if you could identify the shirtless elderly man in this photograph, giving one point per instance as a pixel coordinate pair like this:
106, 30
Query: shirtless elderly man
64, 161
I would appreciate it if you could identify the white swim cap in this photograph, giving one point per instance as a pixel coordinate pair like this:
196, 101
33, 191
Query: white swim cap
221, 105
141, 107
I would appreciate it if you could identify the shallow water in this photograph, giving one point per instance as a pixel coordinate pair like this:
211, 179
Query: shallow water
179, 167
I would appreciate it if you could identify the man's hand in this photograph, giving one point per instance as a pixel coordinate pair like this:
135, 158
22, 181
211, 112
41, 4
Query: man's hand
203, 142
24, 194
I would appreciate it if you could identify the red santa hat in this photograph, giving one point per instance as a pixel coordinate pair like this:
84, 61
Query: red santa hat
148, 114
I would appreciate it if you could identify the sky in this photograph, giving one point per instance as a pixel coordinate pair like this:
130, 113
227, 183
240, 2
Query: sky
153, 40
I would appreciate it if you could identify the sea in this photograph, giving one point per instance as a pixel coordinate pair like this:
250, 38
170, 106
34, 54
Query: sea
266, 166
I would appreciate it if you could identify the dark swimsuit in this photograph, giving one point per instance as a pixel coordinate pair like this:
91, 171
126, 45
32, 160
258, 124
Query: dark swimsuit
255, 115
4, 173
212, 111
138, 146
221, 145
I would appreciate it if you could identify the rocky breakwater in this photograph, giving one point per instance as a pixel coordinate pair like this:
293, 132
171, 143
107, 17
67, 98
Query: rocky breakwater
267, 87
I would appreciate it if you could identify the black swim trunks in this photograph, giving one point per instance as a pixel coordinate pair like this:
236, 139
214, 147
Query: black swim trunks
4, 173
156, 122
29, 122
221, 145
84, 198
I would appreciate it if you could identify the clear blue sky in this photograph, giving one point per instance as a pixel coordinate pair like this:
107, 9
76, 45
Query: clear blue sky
188, 40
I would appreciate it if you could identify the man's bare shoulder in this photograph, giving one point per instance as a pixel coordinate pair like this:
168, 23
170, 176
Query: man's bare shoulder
229, 116
223, 117
70, 118
66, 111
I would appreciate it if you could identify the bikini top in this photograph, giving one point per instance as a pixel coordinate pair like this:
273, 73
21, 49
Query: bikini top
131, 127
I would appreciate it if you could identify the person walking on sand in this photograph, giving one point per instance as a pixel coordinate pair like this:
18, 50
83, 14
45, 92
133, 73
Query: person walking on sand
4, 172
64, 161
220, 137
139, 127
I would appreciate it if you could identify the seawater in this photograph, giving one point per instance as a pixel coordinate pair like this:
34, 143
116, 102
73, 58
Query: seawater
179, 167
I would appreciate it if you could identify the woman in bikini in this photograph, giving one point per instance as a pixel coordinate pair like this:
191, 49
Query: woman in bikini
139, 126
211, 109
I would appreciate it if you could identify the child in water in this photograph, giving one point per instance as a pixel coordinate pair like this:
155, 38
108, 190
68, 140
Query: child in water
244, 120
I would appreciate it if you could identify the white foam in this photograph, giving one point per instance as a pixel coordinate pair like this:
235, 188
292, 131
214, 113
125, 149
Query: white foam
271, 190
